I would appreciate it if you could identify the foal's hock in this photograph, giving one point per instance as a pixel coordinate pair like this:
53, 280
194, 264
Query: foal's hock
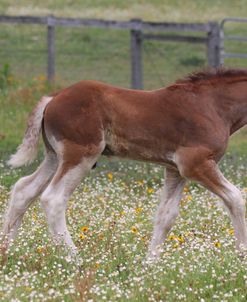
184, 127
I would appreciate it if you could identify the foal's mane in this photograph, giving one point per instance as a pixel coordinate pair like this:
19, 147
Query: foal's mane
213, 74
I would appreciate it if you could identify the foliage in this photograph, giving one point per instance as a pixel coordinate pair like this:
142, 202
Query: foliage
110, 218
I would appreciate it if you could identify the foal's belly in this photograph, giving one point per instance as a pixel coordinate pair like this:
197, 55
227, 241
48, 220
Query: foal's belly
140, 149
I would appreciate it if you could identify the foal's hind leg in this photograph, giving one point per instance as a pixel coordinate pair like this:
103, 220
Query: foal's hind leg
167, 211
24, 193
208, 174
54, 198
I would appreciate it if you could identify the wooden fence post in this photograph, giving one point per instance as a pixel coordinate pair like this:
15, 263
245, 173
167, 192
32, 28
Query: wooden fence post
213, 45
136, 58
50, 49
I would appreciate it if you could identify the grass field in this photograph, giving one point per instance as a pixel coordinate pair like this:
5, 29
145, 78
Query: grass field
110, 218
177, 10
110, 214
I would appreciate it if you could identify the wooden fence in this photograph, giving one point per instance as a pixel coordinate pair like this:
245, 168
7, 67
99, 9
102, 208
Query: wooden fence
236, 38
139, 31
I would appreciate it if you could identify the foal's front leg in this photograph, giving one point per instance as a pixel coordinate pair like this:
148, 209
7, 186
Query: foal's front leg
197, 164
211, 178
167, 210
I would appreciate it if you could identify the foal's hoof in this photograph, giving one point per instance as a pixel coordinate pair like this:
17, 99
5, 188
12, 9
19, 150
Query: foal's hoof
152, 257
242, 250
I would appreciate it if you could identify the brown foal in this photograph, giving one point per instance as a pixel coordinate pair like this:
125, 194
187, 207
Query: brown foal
184, 127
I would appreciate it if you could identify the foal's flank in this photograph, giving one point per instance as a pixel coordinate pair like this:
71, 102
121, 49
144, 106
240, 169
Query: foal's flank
184, 127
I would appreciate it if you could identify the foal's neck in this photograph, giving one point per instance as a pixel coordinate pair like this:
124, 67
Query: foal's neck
232, 105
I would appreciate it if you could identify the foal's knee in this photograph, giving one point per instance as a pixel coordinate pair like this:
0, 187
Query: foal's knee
21, 193
19, 187
234, 200
167, 215
46, 201
52, 205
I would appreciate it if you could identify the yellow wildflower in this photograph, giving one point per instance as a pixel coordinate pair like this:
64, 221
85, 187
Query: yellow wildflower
177, 238
140, 182
231, 232
82, 236
189, 197
138, 210
84, 229
34, 216
150, 190
172, 237
217, 244
110, 176
134, 229
97, 264
180, 239
40, 249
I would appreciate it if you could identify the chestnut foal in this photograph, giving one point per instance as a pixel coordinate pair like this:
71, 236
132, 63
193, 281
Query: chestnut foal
184, 127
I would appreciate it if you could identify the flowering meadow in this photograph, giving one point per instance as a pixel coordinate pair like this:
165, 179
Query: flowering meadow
110, 217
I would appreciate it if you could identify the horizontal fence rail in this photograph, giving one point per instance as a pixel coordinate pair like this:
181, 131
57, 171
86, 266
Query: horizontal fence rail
223, 37
139, 31
135, 24
175, 38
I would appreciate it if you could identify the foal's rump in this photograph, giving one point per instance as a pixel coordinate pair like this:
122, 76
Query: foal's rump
73, 125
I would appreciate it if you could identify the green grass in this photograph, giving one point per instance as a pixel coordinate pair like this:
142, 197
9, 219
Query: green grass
87, 53
161, 10
199, 262
110, 219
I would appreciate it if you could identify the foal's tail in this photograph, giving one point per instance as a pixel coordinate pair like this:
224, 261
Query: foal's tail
27, 151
